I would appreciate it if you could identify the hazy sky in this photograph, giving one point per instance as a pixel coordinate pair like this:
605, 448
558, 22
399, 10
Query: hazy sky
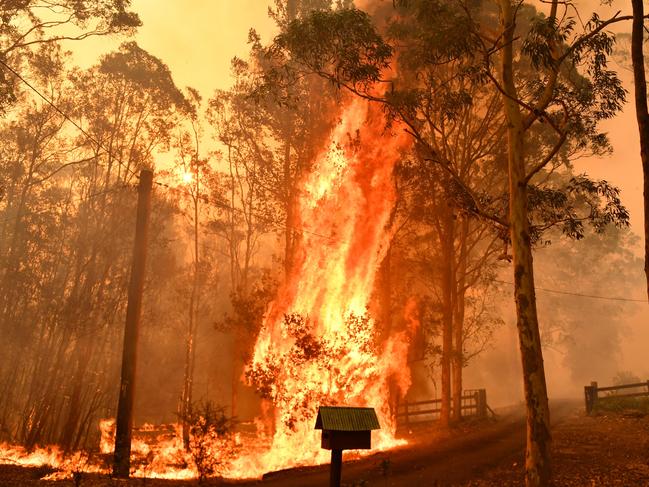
197, 39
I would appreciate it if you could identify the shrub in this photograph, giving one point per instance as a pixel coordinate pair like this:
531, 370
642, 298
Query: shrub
211, 442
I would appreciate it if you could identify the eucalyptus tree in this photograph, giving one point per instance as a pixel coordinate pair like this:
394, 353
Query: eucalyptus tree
295, 120
271, 135
453, 258
573, 91
28, 26
193, 177
458, 120
245, 215
239, 127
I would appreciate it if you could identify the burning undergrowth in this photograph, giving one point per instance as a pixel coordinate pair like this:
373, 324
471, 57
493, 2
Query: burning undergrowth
319, 344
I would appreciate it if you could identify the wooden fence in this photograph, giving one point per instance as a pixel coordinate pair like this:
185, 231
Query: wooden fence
592, 396
473, 404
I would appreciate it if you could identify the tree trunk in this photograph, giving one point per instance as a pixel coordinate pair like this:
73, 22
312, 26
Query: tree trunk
72, 421
291, 202
642, 114
537, 459
240, 356
190, 347
186, 398
448, 259
291, 207
385, 311
458, 320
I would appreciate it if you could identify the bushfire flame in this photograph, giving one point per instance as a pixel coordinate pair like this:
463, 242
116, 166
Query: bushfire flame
318, 344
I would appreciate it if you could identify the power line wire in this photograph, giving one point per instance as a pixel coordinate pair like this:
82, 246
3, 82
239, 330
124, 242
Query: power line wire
67, 117
581, 295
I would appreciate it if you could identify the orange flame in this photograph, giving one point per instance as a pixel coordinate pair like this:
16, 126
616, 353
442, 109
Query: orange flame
318, 345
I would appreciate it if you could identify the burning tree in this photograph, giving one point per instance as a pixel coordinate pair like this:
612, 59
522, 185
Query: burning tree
317, 343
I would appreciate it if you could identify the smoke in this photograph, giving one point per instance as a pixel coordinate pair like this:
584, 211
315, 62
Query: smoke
585, 338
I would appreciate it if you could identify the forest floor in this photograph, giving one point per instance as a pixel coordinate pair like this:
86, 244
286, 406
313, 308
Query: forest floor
609, 449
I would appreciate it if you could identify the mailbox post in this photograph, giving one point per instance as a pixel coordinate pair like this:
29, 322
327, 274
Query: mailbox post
345, 428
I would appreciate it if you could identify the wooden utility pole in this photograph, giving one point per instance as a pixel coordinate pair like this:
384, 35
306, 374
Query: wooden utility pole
124, 423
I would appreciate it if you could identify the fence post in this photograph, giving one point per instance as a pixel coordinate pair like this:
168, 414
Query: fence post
594, 388
590, 396
481, 403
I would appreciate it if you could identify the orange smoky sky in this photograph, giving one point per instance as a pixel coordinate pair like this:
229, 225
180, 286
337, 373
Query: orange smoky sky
195, 38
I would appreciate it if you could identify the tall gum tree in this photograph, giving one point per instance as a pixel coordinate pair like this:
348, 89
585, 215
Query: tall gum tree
573, 68
288, 126
238, 122
537, 456
297, 119
642, 113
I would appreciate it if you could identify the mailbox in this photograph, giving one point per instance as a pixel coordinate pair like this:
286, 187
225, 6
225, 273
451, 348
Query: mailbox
346, 428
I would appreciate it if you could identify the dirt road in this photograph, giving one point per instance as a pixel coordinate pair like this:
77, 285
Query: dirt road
441, 459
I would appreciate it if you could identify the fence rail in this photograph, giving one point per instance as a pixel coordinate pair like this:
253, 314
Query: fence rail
473, 404
592, 397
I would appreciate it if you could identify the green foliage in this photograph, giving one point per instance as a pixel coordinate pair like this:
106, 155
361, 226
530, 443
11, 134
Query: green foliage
433, 32
28, 26
133, 64
579, 202
342, 45
248, 309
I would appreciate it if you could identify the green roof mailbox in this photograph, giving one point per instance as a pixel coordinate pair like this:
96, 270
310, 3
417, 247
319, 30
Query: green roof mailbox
345, 428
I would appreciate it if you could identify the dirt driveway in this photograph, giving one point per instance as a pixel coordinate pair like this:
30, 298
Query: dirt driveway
433, 458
